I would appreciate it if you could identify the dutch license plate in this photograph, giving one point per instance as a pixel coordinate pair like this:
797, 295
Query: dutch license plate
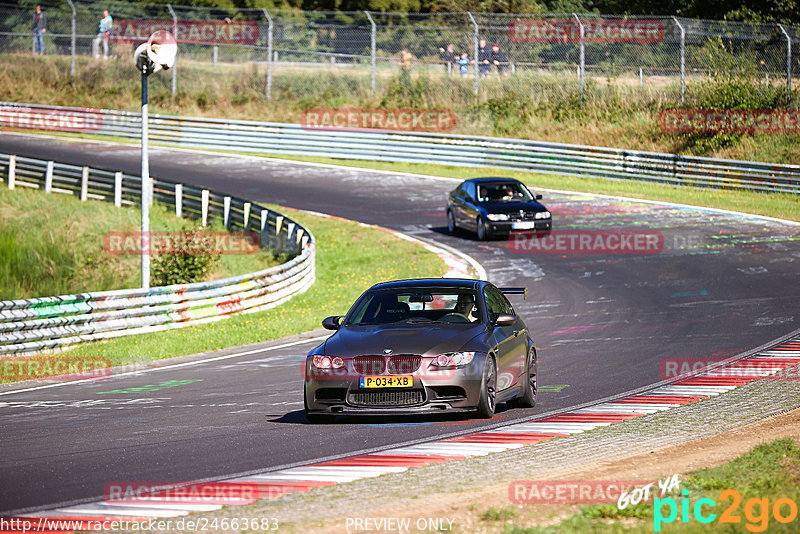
526, 225
399, 381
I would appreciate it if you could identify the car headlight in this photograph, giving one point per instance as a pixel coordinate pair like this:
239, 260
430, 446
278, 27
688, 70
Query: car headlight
497, 217
454, 359
542, 215
326, 362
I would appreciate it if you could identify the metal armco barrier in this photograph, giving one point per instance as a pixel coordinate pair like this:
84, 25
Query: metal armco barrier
414, 147
47, 324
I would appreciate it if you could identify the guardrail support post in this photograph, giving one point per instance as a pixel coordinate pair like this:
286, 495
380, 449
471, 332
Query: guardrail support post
226, 212
372, 51
48, 178
582, 57
72, 47
12, 171
269, 52
118, 189
278, 223
264, 228
246, 221
204, 206
84, 183
475, 39
788, 64
683, 58
179, 200
174, 34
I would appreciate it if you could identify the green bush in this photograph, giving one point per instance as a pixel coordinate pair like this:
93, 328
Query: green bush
187, 263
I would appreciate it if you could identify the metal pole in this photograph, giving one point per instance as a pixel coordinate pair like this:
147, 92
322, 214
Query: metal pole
477, 67
372, 50
72, 63
175, 33
582, 66
788, 64
269, 53
683, 59
145, 190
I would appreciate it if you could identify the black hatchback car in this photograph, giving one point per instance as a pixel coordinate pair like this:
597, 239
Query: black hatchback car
421, 346
493, 207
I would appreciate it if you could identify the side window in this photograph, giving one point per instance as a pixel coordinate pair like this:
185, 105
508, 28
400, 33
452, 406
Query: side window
507, 307
469, 189
494, 304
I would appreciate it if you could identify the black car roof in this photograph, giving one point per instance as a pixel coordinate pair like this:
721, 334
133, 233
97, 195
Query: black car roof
493, 179
454, 283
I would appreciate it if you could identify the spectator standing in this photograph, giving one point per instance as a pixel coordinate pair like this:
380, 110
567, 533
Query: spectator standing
498, 58
103, 34
405, 65
463, 64
484, 65
448, 57
39, 29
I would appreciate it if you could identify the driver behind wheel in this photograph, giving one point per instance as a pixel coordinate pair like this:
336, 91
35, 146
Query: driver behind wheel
466, 306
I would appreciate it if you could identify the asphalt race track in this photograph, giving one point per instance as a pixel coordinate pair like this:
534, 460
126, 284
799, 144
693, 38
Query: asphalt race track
604, 324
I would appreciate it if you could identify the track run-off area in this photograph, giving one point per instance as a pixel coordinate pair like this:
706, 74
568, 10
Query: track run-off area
717, 285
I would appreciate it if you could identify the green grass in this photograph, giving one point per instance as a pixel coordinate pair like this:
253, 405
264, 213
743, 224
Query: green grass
54, 245
769, 471
350, 258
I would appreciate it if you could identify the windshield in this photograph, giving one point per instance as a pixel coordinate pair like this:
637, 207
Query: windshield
504, 192
411, 306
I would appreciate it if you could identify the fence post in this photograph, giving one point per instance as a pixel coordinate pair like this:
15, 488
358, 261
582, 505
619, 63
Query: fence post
118, 189
372, 50
476, 38
204, 206
215, 53
48, 178
72, 28
226, 212
12, 171
174, 34
269, 52
84, 183
179, 200
683, 58
788, 64
582, 65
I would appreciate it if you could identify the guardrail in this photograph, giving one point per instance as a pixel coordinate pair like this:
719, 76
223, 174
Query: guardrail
413, 147
47, 324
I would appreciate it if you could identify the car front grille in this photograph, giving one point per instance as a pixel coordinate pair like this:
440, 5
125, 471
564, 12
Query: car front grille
525, 216
369, 365
386, 398
404, 363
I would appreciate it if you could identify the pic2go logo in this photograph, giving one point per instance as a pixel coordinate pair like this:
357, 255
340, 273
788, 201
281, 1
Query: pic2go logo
757, 511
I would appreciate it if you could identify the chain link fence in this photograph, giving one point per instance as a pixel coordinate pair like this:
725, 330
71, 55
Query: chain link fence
441, 59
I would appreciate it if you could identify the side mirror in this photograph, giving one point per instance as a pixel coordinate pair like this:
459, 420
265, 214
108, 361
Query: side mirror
538, 197
505, 319
331, 323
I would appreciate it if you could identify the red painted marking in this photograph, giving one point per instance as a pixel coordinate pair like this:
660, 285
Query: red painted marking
661, 399
389, 460
504, 437
715, 381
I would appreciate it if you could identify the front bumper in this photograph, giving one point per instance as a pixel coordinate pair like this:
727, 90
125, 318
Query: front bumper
506, 227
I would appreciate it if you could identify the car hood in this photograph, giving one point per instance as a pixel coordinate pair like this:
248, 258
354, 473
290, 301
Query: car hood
430, 340
512, 207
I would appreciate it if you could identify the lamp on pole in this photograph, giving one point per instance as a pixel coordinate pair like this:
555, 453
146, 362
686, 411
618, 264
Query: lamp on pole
156, 54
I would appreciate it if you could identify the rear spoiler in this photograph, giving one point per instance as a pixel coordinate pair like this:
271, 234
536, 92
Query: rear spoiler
515, 291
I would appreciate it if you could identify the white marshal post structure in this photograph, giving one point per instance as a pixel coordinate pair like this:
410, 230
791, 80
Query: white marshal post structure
156, 54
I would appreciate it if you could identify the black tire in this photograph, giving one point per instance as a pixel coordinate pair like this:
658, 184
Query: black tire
316, 418
528, 397
488, 399
483, 232
451, 222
